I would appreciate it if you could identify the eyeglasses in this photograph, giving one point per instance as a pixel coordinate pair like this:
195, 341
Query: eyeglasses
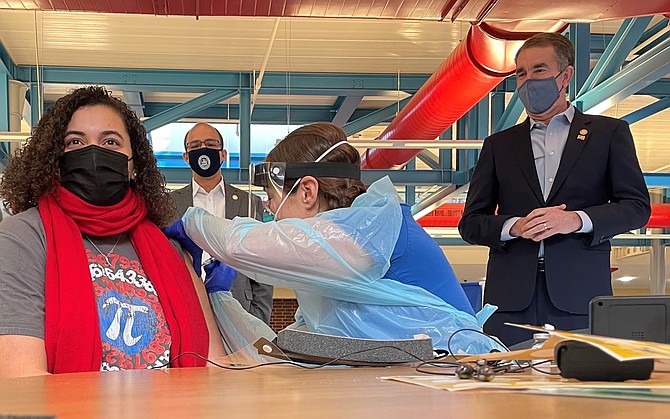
196, 144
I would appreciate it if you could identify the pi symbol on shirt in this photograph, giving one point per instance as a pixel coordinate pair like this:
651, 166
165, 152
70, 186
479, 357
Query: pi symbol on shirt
126, 323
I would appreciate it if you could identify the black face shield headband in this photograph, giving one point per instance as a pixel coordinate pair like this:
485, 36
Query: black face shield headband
274, 174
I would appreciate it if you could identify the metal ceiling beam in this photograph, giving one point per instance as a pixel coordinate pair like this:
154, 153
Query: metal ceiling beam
640, 73
346, 109
374, 118
647, 111
134, 100
187, 108
436, 199
511, 114
427, 158
181, 175
7, 65
651, 37
199, 81
579, 35
617, 50
263, 114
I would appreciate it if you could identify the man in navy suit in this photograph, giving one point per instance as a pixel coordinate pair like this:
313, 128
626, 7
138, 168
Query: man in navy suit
547, 195
205, 153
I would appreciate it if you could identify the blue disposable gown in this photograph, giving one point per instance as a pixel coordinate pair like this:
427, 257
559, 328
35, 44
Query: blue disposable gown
336, 263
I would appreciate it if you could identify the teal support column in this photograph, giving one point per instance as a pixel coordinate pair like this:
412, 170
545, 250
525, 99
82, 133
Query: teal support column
581, 38
35, 104
410, 191
474, 125
4, 116
245, 127
497, 105
629, 34
445, 153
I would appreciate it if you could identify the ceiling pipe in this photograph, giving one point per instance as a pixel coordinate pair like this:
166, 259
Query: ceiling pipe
483, 59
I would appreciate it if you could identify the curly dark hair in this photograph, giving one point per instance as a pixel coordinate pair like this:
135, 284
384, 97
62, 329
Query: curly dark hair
306, 144
34, 169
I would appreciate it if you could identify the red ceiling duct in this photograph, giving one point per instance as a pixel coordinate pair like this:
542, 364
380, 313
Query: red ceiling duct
473, 69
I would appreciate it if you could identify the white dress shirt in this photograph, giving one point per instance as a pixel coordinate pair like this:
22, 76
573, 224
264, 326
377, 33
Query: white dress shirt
214, 202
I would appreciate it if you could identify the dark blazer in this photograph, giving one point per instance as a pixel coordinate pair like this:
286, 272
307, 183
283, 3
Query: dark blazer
254, 297
599, 174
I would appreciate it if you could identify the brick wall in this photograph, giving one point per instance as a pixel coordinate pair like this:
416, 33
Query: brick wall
283, 310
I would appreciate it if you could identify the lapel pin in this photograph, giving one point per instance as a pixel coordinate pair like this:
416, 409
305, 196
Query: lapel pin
234, 197
582, 134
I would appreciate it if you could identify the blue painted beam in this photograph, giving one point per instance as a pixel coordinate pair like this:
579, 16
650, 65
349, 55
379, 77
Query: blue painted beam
135, 101
181, 175
659, 88
245, 128
187, 108
427, 158
617, 50
4, 102
511, 115
7, 65
348, 83
5, 147
35, 97
445, 153
410, 191
497, 106
661, 26
346, 109
263, 114
640, 73
657, 180
647, 111
201, 81
580, 37
374, 118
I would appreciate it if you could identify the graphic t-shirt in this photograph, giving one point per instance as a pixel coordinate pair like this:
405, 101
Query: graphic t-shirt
133, 329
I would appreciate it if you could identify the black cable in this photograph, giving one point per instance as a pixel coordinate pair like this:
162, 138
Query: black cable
299, 364
438, 362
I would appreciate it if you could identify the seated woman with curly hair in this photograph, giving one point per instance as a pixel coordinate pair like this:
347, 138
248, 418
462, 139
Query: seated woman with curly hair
88, 280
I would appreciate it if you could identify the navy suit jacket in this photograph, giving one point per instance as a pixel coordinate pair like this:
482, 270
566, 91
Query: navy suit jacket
254, 297
599, 174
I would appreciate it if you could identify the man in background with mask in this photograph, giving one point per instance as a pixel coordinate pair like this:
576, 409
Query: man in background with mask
546, 197
205, 153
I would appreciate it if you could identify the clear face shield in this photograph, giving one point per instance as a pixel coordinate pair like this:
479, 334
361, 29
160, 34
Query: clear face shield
272, 176
269, 176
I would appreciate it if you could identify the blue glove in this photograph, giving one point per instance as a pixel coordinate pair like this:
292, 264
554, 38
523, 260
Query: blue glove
218, 276
176, 231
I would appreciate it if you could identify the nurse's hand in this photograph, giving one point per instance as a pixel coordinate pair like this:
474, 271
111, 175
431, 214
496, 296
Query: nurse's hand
176, 231
218, 276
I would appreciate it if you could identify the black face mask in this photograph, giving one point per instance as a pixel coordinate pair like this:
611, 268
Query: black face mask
204, 161
95, 174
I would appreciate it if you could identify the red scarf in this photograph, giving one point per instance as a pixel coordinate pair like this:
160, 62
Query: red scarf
72, 329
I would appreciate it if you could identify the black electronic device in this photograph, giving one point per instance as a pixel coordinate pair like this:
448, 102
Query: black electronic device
586, 362
638, 317
303, 346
